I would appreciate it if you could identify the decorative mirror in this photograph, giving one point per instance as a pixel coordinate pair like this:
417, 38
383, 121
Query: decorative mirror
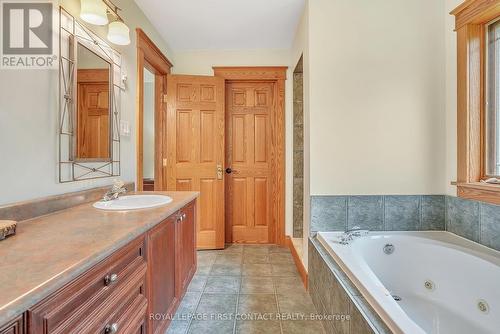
89, 104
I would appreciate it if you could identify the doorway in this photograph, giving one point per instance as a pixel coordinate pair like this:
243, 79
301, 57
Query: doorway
223, 136
152, 68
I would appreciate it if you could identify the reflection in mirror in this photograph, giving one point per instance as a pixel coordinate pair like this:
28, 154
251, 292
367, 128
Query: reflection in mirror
149, 131
93, 133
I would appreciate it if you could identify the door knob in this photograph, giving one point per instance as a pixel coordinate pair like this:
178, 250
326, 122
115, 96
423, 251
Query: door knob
229, 170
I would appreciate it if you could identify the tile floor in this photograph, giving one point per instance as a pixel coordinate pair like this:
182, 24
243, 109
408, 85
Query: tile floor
248, 289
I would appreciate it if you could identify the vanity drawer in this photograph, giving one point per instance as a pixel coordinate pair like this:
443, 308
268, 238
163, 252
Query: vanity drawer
87, 293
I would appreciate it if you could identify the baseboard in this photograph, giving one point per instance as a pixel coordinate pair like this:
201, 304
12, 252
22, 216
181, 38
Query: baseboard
298, 261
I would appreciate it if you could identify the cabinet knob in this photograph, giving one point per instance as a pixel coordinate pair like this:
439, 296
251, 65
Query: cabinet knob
110, 279
183, 216
111, 329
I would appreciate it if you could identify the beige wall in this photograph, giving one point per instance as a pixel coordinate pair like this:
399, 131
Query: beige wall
451, 97
29, 117
377, 97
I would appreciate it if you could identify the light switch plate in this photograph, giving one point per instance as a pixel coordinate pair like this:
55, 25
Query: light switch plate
124, 128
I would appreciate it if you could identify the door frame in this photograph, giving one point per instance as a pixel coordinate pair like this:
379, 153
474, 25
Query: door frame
276, 75
150, 56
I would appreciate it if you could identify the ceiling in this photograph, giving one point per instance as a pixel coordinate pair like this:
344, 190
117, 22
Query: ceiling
224, 24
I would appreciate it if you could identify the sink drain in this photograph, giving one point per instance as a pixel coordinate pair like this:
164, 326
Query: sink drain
429, 285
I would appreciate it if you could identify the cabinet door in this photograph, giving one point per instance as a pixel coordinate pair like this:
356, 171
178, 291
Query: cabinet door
186, 234
15, 327
162, 280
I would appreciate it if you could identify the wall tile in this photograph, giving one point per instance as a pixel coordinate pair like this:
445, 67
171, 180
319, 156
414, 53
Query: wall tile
490, 226
402, 213
433, 213
463, 217
328, 213
366, 212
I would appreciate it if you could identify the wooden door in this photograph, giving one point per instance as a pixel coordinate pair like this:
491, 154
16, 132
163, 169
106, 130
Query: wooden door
93, 121
162, 267
195, 149
250, 150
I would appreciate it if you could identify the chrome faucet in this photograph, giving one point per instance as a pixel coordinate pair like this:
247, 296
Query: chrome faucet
352, 233
115, 191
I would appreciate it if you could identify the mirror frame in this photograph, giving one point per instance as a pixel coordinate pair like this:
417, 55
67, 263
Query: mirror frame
72, 33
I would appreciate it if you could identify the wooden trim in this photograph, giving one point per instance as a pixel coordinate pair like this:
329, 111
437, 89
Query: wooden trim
471, 19
489, 193
251, 73
276, 74
93, 75
298, 262
152, 52
475, 12
149, 56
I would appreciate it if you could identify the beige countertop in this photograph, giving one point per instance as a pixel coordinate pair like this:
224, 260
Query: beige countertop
49, 251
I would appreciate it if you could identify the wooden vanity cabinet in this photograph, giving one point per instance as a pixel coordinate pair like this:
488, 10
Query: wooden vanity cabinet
137, 289
162, 287
14, 327
186, 231
171, 265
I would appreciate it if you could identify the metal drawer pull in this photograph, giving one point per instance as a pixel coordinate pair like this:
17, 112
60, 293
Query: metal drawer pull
183, 216
111, 329
110, 279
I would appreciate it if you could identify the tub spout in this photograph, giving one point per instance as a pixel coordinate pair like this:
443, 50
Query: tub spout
352, 233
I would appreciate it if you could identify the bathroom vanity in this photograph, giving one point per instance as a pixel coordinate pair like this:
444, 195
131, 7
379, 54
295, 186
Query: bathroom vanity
84, 270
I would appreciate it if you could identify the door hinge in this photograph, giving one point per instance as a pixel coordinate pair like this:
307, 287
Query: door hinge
164, 98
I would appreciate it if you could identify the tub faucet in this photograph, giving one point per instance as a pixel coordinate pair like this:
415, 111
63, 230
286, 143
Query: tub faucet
352, 233
115, 191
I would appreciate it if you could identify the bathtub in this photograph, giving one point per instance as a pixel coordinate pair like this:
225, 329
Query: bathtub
445, 284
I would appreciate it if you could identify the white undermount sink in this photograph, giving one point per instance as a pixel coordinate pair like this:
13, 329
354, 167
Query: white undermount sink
133, 202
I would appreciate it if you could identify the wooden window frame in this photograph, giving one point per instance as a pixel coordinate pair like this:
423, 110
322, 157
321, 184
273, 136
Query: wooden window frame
471, 19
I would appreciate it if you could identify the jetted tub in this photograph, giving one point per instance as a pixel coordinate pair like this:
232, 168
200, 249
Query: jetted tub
445, 284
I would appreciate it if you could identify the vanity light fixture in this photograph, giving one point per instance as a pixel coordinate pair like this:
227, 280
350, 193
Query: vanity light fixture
96, 12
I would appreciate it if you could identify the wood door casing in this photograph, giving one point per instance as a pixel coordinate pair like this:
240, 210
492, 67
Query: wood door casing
195, 142
250, 153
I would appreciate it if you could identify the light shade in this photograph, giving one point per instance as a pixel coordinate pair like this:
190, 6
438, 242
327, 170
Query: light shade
118, 33
94, 12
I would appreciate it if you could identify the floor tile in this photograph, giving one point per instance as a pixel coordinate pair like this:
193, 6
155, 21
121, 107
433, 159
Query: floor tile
287, 285
255, 258
302, 327
256, 269
251, 284
197, 283
203, 269
211, 327
223, 284
299, 302
213, 305
258, 327
257, 303
206, 257
256, 249
284, 270
226, 270
228, 258
188, 305
278, 249
281, 258
178, 327
232, 248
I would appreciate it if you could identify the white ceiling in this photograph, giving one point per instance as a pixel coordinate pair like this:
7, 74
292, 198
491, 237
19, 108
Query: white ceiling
224, 24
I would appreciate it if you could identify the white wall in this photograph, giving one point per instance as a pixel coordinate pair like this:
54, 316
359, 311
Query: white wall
200, 62
149, 127
29, 116
377, 97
